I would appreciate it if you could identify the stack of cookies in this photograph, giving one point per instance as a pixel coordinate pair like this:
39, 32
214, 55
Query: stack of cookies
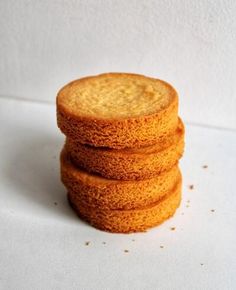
123, 143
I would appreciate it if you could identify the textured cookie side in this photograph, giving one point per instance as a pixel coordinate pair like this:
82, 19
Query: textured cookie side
129, 164
119, 133
129, 221
115, 194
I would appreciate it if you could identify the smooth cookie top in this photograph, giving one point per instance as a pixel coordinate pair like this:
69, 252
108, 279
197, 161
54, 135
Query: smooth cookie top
116, 96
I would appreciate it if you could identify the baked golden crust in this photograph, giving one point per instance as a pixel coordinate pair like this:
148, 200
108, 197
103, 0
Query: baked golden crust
128, 221
105, 193
132, 163
116, 131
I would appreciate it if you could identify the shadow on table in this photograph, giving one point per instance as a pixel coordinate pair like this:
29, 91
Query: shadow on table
34, 171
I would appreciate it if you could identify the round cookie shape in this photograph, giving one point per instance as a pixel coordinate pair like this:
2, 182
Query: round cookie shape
117, 110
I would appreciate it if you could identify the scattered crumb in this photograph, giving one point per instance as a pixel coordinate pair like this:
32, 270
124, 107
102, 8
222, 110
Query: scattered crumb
191, 186
126, 251
201, 264
182, 213
104, 243
212, 210
87, 243
188, 201
172, 228
133, 240
55, 203
161, 247
205, 166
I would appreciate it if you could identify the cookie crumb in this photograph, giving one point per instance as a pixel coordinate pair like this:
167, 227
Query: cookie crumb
188, 201
161, 247
187, 205
205, 166
212, 210
191, 187
55, 203
172, 228
126, 251
133, 240
104, 243
87, 243
182, 213
201, 264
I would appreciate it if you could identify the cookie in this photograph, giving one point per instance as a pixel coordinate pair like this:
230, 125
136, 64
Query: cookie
105, 193
117, 110
128, 221
132, 163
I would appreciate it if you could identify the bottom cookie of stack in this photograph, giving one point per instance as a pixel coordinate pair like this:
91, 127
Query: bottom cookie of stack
132, 220
104, 193
121, 206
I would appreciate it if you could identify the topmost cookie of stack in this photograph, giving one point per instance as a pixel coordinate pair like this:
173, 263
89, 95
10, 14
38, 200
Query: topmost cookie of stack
117, 110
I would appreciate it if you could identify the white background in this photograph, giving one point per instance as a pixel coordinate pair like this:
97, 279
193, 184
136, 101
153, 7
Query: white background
191, 44
45, 44
43, 245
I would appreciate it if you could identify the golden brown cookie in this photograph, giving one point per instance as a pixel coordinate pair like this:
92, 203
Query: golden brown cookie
117, 110
132, 163
105, 193
128, 221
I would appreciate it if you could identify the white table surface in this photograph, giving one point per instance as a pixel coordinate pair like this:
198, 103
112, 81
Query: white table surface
42, 244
